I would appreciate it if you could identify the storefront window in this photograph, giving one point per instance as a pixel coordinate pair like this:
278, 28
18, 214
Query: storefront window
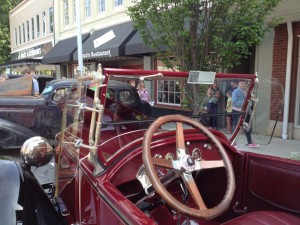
87, 68
168, 92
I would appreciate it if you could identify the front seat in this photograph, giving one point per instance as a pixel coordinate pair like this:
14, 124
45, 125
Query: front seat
265, 218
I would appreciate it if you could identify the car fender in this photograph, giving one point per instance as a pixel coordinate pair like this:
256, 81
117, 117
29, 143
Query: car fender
13, 135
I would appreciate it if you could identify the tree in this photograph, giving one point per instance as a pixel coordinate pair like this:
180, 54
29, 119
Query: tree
6, 6
206, 35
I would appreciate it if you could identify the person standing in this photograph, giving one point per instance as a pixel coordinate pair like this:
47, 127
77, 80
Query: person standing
238, 99
133, 83
145, 97
213, 94
228, 110
36, 88
143, 92
3, 78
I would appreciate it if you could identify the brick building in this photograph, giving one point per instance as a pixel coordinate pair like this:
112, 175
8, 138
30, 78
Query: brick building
277, 60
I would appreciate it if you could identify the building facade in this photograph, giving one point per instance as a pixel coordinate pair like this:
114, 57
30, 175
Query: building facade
105, 27
277, 60
31, 35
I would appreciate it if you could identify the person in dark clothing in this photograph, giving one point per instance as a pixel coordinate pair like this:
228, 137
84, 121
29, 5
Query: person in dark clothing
213, 94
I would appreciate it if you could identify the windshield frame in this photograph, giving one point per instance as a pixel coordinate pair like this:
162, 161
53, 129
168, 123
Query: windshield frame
96, 155
110, 72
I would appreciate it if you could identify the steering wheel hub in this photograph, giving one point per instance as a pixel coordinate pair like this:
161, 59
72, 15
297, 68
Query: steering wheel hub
188, 163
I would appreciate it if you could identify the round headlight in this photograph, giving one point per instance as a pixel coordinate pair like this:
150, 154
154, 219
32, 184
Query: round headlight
36, 151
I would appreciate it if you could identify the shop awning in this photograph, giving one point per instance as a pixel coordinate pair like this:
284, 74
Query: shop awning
63, 51
106, 43
136, 46
20, 62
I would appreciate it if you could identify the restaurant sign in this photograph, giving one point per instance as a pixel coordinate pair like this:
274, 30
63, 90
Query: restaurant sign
34, 52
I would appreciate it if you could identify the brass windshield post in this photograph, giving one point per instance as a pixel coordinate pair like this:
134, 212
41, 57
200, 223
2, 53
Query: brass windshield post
95, 124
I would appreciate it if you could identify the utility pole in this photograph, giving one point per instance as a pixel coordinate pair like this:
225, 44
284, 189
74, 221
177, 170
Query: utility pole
79, 38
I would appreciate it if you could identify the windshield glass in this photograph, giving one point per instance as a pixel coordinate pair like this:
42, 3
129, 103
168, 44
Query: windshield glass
108, 120
263, 115
47, 90
69, 140
129, 109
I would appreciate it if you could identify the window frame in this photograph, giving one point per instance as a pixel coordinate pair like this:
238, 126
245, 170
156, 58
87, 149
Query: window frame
169, 93
23, 32
28, 30
51, 20
101, 6
32, 29
66, 12
16, 36
87, 9
37, 26
74, 11
44, 23
118, 3
20, 35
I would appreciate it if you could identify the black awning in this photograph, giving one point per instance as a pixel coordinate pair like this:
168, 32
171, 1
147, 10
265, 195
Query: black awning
136, 46
106, 43
63, 51
20, 62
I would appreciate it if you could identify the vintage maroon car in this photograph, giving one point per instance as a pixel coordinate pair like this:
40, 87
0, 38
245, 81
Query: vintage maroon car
115, 165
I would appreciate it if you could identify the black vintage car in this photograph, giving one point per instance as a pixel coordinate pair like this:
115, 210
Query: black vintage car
24, 116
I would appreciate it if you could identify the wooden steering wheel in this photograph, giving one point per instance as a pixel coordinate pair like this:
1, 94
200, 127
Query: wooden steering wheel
185, 164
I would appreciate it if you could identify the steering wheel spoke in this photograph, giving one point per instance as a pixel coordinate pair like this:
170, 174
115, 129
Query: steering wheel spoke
180, 145
193, 190
165, 163
209, 164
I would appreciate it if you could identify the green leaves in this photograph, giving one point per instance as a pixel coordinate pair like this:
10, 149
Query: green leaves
207, 35
6, 6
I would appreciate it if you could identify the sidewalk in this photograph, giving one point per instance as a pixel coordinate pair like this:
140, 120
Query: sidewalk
278, 147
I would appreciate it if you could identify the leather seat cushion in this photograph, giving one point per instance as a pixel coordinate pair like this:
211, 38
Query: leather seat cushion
265, 218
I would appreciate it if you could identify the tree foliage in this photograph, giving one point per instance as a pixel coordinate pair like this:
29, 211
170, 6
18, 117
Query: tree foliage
207, 35
6, 6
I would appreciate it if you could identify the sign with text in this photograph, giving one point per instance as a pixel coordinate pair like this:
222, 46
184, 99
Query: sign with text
34, 52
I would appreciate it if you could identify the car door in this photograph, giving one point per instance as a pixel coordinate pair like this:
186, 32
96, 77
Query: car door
271, 183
